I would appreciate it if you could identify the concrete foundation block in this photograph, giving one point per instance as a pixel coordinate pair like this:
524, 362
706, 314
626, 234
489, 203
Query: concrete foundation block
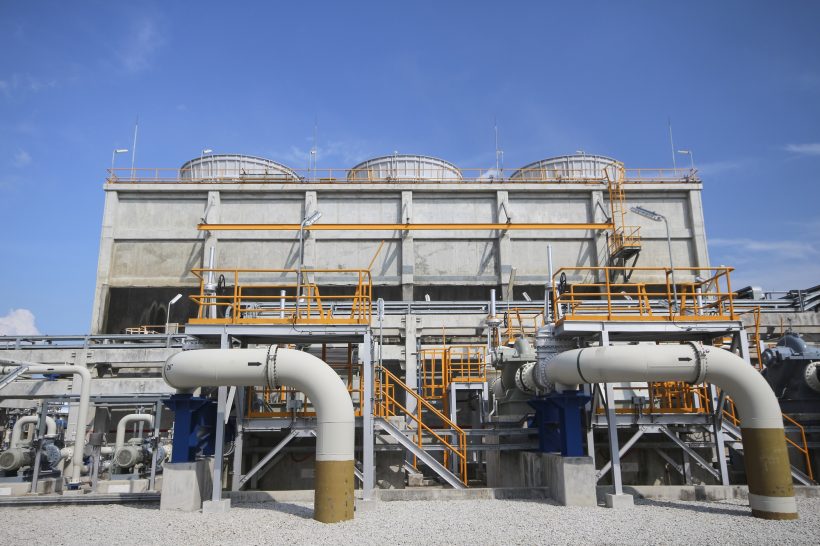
571, 480
185, 485
619, 501
216, 507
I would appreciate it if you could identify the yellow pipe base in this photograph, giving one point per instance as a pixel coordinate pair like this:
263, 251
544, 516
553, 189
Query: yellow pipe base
333, 498
768, 471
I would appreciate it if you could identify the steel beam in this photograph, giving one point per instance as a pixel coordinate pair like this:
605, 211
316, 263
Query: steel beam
480, 226
691, 452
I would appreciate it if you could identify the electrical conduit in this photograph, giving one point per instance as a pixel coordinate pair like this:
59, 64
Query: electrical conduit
771, 493
274, 367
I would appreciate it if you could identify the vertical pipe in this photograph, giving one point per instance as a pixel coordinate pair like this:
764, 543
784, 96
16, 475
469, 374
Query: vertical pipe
282, 304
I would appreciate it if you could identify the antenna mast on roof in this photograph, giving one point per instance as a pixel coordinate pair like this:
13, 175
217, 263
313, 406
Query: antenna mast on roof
314, 151
499, 153
671, 143
134, 147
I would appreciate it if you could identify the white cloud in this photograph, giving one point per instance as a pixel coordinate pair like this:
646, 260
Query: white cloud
784, 248
141, 43
21, 158
808, 148
773, 265
336, 154
18, 322
718, 167
17, 84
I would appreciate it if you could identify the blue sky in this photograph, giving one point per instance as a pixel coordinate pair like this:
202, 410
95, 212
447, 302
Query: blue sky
739, 80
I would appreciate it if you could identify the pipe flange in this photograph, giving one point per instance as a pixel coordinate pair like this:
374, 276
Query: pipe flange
701, 361
270, 374
812, 375
523, 379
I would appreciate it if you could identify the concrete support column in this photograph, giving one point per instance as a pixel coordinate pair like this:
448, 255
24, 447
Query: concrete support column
408, 255
701, 251
504, 243
212, 215
597, 239
104, 264
311, 204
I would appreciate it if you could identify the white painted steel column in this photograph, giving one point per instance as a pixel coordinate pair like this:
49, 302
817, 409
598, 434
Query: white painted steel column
219, 446
368, 436
612, 428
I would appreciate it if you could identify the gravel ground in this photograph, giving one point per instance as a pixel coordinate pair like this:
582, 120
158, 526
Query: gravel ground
413, 522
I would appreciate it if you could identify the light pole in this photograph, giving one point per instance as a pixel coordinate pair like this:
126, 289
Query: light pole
114, 155
201, 157
657, 218
691, 155
307, 221
168, 314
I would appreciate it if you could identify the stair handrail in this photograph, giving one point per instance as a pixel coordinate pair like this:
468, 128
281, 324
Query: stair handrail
386, 400
804, 449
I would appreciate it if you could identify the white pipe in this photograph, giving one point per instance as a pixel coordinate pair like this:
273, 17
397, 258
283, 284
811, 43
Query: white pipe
771, 494
82, 410
17, 431
127, 420
274, 367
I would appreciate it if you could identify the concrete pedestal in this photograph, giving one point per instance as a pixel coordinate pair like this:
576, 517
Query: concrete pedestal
619, 501
186, 485
570, 480
216, 507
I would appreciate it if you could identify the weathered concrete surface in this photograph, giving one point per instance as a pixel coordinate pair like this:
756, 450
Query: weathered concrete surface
186, 485
571, 480
20, 489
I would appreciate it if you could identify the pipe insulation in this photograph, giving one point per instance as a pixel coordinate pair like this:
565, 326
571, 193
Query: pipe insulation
771, 493
17, 430
274, 367
82, 409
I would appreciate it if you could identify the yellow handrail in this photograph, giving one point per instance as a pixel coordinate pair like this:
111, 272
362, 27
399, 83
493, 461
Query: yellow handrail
731, 414
271, 296
386, 406
703, 294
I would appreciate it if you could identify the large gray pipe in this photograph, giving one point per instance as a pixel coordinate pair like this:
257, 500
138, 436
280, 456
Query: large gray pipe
17, 430
274, 367
82, 410
771, 493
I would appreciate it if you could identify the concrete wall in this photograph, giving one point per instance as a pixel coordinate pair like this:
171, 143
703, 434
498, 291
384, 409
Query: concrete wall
149, 236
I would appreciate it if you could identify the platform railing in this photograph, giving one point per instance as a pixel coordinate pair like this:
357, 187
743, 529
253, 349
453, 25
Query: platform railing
267, 402
698, 294
423, 175
273, 296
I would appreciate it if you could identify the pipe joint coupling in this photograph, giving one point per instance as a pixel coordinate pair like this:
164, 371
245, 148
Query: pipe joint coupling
701, 361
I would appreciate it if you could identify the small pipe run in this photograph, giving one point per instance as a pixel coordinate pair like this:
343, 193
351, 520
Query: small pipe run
127, 420
17, 430
771, 493
274, 367
82, 410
